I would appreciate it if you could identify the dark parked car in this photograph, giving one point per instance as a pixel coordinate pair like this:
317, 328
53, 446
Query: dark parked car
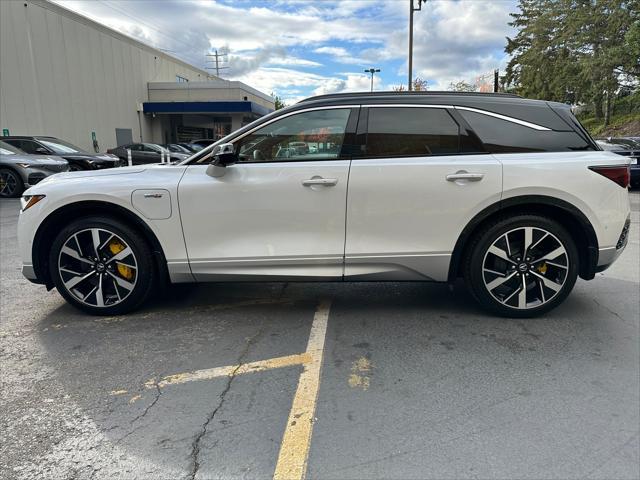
177, 148
190, 147
203, 142
78, 159
19, 171
626, 147
143, 153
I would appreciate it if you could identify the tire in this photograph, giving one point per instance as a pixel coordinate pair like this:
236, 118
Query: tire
11, 185
119, 282
495, 272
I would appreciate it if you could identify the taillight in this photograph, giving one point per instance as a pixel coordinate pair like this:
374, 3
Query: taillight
617, 173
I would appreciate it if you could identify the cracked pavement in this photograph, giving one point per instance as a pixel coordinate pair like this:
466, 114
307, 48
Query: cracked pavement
417, 382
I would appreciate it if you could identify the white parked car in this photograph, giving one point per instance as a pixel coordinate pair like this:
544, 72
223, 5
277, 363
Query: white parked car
511, 194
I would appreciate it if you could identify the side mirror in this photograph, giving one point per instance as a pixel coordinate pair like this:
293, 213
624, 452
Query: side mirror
224, 155
42, 151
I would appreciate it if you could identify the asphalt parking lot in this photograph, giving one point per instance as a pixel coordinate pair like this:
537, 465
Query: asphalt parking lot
409, 381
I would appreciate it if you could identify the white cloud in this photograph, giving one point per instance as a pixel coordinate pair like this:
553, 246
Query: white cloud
272, 45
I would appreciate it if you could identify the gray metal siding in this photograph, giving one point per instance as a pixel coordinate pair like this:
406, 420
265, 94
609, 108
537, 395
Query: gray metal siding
66, 76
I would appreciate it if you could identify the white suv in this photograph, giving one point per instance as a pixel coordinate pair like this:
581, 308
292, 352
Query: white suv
511, 194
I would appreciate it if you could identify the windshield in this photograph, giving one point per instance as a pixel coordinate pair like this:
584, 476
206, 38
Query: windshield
59, 146
6, 149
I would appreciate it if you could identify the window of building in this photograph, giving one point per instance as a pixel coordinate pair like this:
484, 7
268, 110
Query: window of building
180, 79
407, 131
503, 136
315, 135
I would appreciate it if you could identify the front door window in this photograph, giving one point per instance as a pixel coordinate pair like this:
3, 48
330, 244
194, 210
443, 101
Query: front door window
315, 135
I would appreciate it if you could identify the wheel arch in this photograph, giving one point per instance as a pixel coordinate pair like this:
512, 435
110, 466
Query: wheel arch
570, 216
50, 227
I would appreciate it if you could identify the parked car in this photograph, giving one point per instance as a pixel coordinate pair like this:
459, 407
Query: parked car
176, 148
143, 153
627, 147
78, 159
511, 194
203, 142
19, 171
190, 147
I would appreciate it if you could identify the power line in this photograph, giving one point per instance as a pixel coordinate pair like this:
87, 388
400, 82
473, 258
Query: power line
138, 20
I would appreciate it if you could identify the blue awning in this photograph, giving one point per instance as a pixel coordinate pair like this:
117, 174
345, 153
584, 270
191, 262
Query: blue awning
205, 107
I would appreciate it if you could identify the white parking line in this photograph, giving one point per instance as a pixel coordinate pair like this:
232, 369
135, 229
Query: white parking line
294, 450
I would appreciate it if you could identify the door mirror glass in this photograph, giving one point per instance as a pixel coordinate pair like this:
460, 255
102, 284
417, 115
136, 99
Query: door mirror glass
224, 155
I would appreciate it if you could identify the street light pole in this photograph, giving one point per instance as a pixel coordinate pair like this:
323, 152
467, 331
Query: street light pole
411, 10
372, 71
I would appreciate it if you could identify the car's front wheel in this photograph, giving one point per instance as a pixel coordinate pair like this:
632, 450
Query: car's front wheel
102, 266
521, 266
10, 183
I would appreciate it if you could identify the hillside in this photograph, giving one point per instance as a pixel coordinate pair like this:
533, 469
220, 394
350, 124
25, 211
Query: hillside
625, 120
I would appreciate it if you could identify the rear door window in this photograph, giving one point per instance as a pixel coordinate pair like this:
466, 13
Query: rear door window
411, 131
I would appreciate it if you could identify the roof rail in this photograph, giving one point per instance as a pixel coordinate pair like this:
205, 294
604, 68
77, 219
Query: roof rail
414, 93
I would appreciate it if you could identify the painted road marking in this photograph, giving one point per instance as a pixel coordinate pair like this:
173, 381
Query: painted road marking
294, 450
233, 370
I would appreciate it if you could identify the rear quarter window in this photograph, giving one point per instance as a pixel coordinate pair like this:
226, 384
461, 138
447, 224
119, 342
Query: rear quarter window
503, 136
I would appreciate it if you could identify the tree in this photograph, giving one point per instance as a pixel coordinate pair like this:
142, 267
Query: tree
279, 103
461, 86
575, 51
419, 85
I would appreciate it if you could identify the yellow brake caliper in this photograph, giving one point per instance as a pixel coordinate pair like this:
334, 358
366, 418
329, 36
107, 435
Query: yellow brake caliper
116, 247
542, 268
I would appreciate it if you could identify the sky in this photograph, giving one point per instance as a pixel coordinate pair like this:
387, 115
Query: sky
299, 48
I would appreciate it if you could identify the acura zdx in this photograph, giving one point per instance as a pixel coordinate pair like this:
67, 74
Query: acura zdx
511, 194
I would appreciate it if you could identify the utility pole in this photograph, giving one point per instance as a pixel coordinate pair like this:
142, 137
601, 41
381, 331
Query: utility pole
496, 80
411, 10
218, 58
372, 71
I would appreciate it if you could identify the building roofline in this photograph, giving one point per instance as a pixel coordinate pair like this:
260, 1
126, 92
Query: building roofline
80, 18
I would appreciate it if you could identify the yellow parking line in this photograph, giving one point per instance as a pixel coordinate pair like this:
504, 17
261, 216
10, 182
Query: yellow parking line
294, 450
252, 367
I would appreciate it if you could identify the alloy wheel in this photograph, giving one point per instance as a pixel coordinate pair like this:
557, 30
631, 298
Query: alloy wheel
98, 267
525, 268
8, 184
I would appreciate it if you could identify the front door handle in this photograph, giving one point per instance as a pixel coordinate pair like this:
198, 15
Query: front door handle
325, 182
463, 175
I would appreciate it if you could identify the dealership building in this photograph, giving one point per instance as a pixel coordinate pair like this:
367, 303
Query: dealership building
64, 75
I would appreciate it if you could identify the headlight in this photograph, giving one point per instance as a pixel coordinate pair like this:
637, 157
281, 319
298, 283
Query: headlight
28, 201
24, 165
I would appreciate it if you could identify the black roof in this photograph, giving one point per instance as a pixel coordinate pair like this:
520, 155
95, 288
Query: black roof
395, 94
549, 114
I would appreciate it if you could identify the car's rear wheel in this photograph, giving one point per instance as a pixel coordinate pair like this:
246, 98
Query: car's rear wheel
10, 183
102, 266
521, 266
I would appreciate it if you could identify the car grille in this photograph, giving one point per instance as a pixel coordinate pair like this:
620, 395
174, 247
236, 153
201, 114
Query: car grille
35, 178
55, 168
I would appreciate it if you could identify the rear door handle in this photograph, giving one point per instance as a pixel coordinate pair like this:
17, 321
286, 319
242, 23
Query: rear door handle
325, 182
462, 175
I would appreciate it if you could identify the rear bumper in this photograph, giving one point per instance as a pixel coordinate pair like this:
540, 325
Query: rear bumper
606, 256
